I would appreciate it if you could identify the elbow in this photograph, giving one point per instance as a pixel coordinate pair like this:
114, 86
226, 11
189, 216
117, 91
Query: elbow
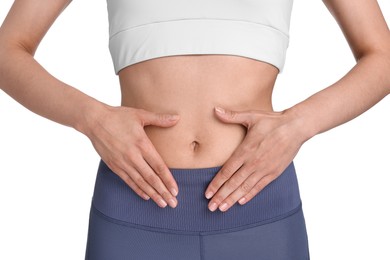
3, 53
380, 63
388, 74
7, 58
4, 61
383, 59
385, 56
10, 53
387, 62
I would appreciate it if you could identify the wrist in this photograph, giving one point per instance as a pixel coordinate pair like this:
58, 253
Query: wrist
299, 124
90, 115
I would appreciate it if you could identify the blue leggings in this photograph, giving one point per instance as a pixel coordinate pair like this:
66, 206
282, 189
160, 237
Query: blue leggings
123, 226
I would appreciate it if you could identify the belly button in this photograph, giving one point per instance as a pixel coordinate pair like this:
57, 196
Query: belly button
194, 146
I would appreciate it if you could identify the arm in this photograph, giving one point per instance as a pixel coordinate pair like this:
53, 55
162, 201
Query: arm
108, 128
22, 77
369, 80
274, 138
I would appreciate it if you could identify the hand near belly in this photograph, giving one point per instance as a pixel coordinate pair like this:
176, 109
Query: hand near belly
271, 143
120, 140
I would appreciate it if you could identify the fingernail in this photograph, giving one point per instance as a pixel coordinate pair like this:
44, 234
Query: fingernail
209, 194
220, 110
223, 207
213, 206
162, 203
242, 200
174, 192
146, 197
173, 117
172, 203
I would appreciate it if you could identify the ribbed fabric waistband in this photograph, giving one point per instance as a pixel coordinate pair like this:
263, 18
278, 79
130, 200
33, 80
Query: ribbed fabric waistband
198, 36
115, 199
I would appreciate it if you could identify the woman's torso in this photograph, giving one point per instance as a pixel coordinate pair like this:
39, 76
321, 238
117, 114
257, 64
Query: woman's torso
191, 86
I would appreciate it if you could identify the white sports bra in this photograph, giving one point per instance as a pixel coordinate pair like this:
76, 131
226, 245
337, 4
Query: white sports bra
145, 29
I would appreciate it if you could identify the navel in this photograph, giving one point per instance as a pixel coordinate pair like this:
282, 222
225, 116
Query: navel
194, 146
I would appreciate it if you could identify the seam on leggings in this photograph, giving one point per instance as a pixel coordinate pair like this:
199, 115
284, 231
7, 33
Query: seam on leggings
201, 247
185, 232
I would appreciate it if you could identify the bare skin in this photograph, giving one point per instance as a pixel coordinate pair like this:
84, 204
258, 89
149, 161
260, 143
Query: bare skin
139, 141
191, 86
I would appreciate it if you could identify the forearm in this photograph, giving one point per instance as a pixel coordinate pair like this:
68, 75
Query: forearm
25, 80
361, 88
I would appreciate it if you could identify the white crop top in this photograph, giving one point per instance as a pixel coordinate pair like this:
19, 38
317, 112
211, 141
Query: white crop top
145, 29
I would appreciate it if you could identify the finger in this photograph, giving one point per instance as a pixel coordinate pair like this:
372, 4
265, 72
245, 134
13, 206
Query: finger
155, 161
154, 180
235, 117
245, 187
145, 186
237, 182
227, 170
157, 119
126, 178
258, 187
235, 161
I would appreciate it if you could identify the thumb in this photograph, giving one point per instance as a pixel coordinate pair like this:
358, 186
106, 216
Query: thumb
158, 119
234, 117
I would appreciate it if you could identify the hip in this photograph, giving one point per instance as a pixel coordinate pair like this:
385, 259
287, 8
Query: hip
119, 203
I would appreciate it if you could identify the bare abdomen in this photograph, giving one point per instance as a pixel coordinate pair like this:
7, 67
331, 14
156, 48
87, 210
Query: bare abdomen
191, 86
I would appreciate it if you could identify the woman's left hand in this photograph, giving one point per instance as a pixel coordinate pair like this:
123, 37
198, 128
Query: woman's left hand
271, 142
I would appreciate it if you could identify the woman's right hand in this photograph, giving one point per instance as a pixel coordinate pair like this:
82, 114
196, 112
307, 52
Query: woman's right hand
120, 139
118, 136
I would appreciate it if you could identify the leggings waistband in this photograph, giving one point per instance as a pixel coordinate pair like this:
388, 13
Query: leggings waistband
115, 199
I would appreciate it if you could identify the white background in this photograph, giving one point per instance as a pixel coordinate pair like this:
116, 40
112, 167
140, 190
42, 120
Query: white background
47, 171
